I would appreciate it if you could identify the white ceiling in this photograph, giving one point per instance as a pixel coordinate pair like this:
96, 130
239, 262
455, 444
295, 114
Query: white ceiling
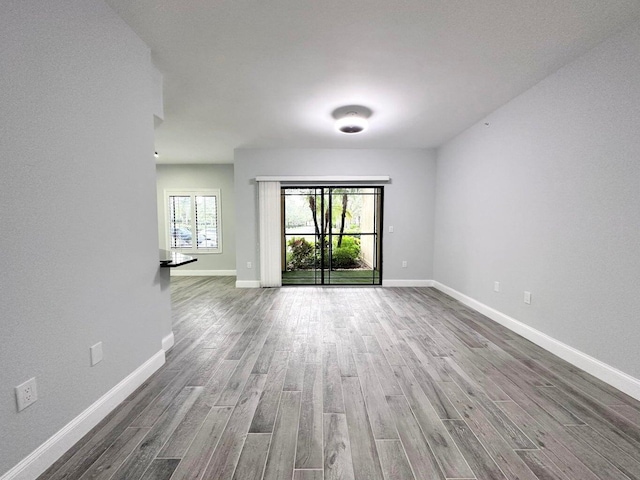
248, 73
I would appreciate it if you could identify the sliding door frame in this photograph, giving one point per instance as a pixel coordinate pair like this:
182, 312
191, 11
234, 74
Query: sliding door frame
327, 230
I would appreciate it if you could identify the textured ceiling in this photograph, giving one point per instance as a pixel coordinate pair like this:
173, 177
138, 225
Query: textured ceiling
241, 73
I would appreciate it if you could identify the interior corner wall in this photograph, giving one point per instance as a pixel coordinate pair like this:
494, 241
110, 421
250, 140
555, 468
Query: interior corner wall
79, 232
543, 196
408, 201
189, 177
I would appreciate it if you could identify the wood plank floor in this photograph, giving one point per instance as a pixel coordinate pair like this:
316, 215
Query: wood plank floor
355, 383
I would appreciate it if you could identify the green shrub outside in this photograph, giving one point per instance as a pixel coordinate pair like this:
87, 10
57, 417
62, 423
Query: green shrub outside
302, 253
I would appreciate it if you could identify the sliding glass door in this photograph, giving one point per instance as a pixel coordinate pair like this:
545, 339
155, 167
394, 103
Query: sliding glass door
331, 235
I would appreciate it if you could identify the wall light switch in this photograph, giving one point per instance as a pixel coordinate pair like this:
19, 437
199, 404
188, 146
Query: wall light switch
96, 353
249, 265
527, 298
496, 286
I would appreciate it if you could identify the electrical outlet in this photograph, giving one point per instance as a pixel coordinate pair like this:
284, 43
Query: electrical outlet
249, 265
390, 229
96, 353
496, 286
404, 264
527, 298
26, 394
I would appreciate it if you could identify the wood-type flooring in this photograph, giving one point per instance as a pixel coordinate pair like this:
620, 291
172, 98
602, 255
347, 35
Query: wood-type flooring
342, 383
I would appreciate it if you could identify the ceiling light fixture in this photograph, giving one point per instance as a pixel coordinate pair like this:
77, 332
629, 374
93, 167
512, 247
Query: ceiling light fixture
352, 122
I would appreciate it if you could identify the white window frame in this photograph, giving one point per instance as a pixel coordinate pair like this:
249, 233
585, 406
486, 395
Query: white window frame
193, 249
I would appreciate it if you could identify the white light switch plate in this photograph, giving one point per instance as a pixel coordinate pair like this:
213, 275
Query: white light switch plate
96, 353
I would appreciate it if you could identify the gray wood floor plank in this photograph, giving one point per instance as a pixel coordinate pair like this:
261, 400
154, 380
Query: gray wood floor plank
90, 448
238, 349
196, 458
394, 462
345, 353
590, 438
366, 464
355, 338
421, 457
481, 463
630, 413
569, 455
501, 453
338, 464
431, 388
181, 438
151, 414
281, 458
465, 363
214, 357
135, 465
542, 467
268, 350
115, 455
308, 475
419, 356
294, 378
387, 343
253, 456
603, 426
309, 444
383, 370
234, 386
571, 378
509, 431
314, 343
329, 333
332, 399
380, 418
433, 340
494, 360
536, 404
215, 386
265, 416
183, 435
449, 458
161, 469
225, 456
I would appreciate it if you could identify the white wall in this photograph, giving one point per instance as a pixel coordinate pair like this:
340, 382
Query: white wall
408, 200
546, 198
79, 253
191, 177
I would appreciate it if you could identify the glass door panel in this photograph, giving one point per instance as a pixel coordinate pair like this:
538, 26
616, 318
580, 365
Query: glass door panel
331, 235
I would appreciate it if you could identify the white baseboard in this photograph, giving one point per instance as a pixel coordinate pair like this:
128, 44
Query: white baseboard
168, 341
608, 374
407, 283
248, 284
179, 272
46, 454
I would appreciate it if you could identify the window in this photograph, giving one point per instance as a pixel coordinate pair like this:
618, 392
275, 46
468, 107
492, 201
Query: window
193, 221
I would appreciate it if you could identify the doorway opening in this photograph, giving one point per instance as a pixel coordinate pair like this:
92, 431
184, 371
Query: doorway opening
332, 235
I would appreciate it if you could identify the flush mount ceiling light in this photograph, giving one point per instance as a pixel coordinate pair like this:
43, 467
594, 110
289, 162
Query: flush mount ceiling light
352, 123
351, 119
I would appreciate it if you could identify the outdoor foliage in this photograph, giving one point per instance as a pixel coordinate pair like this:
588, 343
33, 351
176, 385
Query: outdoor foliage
302, 253
346, 256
